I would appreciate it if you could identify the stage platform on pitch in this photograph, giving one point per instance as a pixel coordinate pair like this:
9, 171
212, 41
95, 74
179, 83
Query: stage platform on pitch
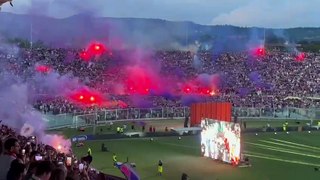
181, 131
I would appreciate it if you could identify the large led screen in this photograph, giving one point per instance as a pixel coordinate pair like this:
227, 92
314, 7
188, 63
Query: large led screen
220, 140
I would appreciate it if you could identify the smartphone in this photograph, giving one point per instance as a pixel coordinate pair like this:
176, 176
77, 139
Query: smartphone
23, 151
60, 163
69, 160
81, 167
28, 143
38, 158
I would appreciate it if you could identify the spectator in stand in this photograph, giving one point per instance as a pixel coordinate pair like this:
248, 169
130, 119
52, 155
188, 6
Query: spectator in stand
12, 148
31, 169
37, 168
58, 174
88, 158
253, 79
246, 81
1, 146
16, 171
43, 171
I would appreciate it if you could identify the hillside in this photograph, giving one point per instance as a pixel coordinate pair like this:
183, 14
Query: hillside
81, 29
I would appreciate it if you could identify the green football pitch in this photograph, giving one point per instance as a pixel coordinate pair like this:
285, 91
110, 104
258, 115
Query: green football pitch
273, 156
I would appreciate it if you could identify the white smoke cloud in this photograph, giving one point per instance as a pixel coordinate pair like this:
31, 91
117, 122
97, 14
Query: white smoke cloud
17, 112
18, 93
177, 10
273, 13
264, 13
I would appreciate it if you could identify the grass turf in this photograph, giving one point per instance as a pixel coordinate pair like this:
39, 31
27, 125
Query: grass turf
273, 156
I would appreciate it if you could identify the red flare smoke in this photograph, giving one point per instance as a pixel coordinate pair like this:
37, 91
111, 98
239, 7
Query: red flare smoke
86, 97
84, 55
43, 68
260, 52
94, 49
301, 57
187, 90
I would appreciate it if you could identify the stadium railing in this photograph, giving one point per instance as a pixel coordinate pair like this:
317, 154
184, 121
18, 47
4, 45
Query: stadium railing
107, 116
58, 121
101, 117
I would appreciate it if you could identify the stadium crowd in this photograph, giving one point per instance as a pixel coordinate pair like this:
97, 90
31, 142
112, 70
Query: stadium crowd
275, 80
24, 158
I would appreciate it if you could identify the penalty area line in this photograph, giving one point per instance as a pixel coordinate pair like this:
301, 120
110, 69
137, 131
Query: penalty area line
262, 146
297, 144
290, 146
283, 160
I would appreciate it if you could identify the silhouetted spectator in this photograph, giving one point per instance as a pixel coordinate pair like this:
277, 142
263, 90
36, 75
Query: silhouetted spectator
43, 171
11, 150
16, 170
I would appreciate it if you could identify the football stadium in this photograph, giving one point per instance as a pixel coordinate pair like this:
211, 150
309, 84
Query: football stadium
107, 90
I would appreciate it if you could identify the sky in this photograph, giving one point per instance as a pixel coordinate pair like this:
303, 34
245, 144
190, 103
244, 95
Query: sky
261, 13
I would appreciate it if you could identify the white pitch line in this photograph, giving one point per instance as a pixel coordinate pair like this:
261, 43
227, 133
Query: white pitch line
282, 150
283, 160
258, 154
297, 144
291, 146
